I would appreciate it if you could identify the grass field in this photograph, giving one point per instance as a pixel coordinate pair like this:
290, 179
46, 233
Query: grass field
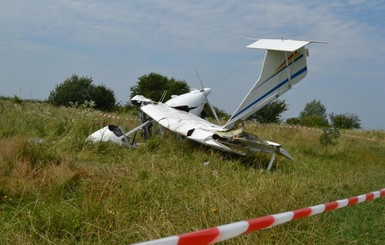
55, 188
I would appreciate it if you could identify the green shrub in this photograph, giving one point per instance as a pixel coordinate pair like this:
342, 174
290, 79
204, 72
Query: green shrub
293, 121
345, 121
314, 121
78, 90
329, 136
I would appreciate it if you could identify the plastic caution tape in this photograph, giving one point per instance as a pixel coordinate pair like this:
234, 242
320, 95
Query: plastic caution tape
225, 232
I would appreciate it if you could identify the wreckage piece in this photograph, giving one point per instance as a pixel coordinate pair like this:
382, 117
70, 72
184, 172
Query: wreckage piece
115, 134
110, 133
251, 143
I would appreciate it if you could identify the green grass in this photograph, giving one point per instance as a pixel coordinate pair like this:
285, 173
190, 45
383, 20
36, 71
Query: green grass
55, 188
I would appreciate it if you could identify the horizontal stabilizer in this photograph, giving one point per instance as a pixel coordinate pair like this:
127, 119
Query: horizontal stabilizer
278, 44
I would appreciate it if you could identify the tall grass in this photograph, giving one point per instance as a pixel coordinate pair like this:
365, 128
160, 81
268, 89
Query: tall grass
55, 188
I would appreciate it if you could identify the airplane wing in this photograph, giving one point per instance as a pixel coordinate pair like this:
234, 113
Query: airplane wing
207, 133
178, 121
188, 125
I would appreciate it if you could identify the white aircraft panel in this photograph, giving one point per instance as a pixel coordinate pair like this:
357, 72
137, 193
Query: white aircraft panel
278, 44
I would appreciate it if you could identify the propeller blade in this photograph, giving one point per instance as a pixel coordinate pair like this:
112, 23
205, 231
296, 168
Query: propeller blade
200, 81
207, 99
213, 110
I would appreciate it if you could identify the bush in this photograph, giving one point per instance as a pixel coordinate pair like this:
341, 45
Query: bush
78, 90
293, 121
271, 113
314, 115
16, 99
153, 85
104, 98
345, 121
314, 121
329, 136
315, 107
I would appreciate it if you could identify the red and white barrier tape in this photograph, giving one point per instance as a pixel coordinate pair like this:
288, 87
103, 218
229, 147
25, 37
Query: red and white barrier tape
225, 232
115, 117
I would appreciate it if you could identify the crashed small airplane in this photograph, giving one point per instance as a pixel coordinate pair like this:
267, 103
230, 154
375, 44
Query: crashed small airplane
284, 65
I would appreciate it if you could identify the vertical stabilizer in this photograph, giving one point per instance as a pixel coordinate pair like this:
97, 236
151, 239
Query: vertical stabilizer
284, 66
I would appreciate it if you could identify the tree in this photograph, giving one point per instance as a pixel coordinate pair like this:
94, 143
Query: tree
153, 85
314, 115
80, 89
345, 121
271, 113
315, 107
314, 121
104, 98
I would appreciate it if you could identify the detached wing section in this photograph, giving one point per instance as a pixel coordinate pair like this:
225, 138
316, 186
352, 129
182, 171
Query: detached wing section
284, 65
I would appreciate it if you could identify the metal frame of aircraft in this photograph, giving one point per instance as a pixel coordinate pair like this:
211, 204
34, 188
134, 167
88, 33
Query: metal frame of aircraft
284, 65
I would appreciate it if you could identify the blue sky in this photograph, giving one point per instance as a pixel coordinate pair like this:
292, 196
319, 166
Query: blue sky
43, 42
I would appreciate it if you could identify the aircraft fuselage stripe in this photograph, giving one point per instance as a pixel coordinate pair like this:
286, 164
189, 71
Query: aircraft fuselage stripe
279, 69
271, 91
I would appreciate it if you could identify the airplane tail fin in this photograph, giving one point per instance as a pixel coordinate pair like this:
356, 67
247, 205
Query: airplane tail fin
284, 66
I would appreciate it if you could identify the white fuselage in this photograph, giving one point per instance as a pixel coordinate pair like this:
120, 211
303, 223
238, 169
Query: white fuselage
192, 102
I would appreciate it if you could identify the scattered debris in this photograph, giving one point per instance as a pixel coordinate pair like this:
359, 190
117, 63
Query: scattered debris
110, 133
36, 140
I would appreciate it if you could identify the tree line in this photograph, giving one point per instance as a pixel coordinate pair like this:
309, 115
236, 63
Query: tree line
314, 115
81, 89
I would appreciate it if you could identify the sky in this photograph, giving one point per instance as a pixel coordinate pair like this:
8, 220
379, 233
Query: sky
115, 42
